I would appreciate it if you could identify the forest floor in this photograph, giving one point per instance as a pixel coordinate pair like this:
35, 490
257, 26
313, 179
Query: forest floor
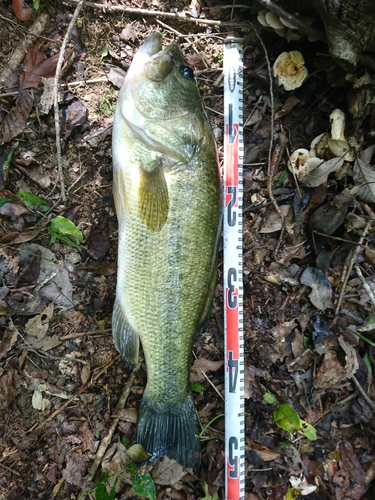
308, 278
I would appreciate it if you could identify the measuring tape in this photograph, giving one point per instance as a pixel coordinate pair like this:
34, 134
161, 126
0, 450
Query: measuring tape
233, 296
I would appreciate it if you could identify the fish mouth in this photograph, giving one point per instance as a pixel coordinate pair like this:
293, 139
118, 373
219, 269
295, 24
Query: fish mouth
151, 46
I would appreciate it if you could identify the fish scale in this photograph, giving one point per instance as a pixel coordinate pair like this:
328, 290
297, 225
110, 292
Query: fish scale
166, 191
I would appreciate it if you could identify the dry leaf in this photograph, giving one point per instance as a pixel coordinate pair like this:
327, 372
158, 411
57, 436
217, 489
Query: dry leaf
350, 479
364, 175
321, 290
6, 342
265, 453
116, 76
273, 221
6, 386
203, 365
16, 119
38, 325
167, 471
320, 174
37, 66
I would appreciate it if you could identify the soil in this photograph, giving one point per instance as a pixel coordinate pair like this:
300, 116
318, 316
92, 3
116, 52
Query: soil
309, 357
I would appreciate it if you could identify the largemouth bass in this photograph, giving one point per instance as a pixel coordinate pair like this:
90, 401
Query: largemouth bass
166, 191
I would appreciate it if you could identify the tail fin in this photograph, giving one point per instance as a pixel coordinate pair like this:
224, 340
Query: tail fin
172, 432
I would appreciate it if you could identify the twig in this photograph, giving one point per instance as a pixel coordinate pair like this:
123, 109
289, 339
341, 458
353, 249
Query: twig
75, 182
363, 393
56, 96
366, 286
182, 16
80, 391
105, 442
212, 385
298, 23
344, 240
351, 264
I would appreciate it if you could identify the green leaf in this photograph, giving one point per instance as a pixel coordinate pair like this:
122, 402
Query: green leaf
104, 52
66, 231
283, 177
32, 201
292, 494
307, 430
286, 418
6, 200
36, 4
197, 387
270, 398
137, 453
9, 157
143, 484
208, 495
125, 441
100, 491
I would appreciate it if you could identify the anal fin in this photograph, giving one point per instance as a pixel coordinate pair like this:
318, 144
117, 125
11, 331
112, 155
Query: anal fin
125, 338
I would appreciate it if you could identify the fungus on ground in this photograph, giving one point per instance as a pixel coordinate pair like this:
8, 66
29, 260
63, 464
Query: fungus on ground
289, 69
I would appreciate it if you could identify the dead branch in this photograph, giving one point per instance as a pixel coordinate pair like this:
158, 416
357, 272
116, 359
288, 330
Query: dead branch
56, 97
182, 16
351, 264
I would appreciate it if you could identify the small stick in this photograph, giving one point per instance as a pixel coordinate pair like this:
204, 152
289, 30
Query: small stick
351, 264
56, 96
80, 391
182, 16
366, 286
363, 393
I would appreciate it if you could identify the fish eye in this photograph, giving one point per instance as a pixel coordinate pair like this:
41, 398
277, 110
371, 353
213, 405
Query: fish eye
186, 72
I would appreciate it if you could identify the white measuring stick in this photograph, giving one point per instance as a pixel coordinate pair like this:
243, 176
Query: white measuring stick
233, 287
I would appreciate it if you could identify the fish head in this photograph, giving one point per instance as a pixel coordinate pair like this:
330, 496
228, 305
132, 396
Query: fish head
160, 82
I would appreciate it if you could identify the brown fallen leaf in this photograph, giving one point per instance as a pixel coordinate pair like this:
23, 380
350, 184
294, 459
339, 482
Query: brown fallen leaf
265, 453
167, 471
21, 12
34, 171
75, 470
16, 119
203, 365
5, 344
331, 373
350, 479
38, 325
6, 386
37, 66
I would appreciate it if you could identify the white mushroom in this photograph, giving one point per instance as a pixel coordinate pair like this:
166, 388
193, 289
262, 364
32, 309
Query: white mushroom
288, 24
274, 21
289, 69
319, 145
262, 18
297, 159
337, 118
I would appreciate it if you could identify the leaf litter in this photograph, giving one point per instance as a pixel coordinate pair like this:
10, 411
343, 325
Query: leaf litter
60, 293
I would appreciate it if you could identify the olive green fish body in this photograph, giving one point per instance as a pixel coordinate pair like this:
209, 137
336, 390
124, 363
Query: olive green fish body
166, 192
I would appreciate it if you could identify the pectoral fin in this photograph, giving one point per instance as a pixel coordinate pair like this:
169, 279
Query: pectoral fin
153, 200
125, 338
